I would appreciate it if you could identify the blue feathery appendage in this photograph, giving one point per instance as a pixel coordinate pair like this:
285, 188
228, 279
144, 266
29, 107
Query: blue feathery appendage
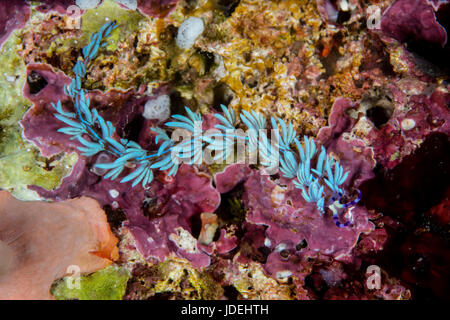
296, 165
90, 128
317, 175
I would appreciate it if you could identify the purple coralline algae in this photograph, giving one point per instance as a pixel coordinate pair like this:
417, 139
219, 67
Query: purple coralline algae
413, 20
175, 201
373, 100
59, 6
156, 8
13, 15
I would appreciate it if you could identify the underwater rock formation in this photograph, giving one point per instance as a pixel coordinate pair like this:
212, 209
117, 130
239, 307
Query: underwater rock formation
413, 20
361, 87
13, 15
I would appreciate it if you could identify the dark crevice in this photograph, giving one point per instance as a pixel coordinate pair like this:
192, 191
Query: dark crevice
378, 105
230, 292
443, 16
414, 252
329, 63
227, 6
208, 57
166, 296
231, 210
302, 245
177, 103
132, 129
343, 16
196, 226
222, 95
432, 58
36, 82
379, 115
416, 184
115, 217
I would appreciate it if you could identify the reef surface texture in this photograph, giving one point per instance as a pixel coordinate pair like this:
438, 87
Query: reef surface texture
365, 84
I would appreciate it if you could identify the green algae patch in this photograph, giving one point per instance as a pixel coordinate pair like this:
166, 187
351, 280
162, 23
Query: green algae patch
127, 22
107, 284
20, 162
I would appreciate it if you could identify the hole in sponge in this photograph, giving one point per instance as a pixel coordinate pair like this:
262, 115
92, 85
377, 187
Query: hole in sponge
36, 82
379, 115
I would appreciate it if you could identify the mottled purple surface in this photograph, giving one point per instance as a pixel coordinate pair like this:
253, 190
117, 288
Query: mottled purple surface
352, 153
226, 243
13, 15
328, 9
59, 6
176, 200
429, 114
156, 8
153, 215
175, 204
291, 220
39, 126
231, 176
413, 20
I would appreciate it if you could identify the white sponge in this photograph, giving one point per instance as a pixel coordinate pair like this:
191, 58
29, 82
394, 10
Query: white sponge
189, 31
158, 108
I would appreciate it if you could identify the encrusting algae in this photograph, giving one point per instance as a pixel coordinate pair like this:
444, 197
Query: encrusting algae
350, 84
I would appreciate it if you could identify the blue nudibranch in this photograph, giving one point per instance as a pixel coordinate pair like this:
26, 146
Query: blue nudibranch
96, 135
